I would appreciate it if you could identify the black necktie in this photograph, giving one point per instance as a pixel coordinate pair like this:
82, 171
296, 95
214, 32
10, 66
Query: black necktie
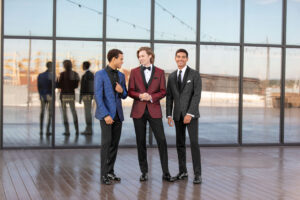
179, 79
149, 68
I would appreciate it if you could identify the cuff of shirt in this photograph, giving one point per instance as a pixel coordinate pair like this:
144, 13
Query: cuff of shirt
190, 115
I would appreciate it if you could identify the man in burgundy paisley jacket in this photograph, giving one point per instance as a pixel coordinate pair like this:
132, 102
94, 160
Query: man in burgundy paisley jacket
147, 86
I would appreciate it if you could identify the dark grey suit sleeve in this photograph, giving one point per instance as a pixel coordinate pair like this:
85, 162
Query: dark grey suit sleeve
169, 100
194, 105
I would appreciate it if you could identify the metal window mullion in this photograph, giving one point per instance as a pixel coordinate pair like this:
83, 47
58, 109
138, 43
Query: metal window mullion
53, 72
1, 72
283, 69
242, 36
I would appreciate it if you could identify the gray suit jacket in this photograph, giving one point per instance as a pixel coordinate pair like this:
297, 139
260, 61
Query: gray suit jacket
187, 99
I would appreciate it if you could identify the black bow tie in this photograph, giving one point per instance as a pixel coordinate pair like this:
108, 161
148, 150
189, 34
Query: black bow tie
149, 68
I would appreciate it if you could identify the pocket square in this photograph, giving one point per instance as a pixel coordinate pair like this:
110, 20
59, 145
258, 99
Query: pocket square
188, 81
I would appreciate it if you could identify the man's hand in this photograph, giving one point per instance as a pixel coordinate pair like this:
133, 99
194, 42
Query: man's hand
145, 97
119, 88
108, 120
187, 119
170, 122
149, 97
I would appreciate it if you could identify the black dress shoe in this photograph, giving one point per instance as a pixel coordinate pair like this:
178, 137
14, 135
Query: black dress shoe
168, 177
144, 177
181, 175
197, 179
105, 180
113, 177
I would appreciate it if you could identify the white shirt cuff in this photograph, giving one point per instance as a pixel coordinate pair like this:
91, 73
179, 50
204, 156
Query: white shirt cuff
190, 115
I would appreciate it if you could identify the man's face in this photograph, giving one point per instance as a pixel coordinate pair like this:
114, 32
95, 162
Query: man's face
144, 58
119, 61
181, 59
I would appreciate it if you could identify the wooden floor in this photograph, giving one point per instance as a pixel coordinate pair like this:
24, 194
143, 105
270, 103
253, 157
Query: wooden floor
264, 173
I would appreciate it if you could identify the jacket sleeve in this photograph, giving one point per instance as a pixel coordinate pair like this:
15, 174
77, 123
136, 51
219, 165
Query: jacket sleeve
125, 93
82, 83
59, 81
157, 96
194, 105
131, 87
77, 79
39, 84
99, 90
169, 99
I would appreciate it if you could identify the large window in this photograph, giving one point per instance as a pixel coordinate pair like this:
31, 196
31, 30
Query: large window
293, 22
175, 20
246, 51
261, 97
219, 69
77, 52
263, 20
27, 115
220, 21
79, 18
32, 17
292, 96
128, 19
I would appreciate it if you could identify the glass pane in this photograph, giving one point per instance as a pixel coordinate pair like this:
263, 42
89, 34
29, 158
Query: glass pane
292, 96
293, 22
263, 21
25, 112
130, 61
77, 52
79, 18
219, 68
220, 23
175, 20
128, 19
165, 56
31, 17
261, 86
165, 59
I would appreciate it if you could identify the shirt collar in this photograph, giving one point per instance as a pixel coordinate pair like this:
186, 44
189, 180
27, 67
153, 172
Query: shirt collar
111, 69
183, 70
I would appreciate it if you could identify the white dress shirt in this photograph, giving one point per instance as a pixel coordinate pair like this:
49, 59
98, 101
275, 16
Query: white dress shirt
148, 73
182, 73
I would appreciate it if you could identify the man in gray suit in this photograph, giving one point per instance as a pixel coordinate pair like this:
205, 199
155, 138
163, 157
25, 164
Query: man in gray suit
184, 91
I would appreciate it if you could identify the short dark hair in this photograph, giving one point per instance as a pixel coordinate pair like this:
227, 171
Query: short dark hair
49, 65
148, 51
86, 65
67, 65
113, 53
182, 51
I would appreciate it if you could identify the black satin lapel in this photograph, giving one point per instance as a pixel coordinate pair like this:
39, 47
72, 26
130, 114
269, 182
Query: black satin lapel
143, 76
185, 78
176, 81
152, 75
119, 77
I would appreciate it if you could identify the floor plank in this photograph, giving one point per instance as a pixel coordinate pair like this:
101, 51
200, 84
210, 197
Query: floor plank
228, 173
